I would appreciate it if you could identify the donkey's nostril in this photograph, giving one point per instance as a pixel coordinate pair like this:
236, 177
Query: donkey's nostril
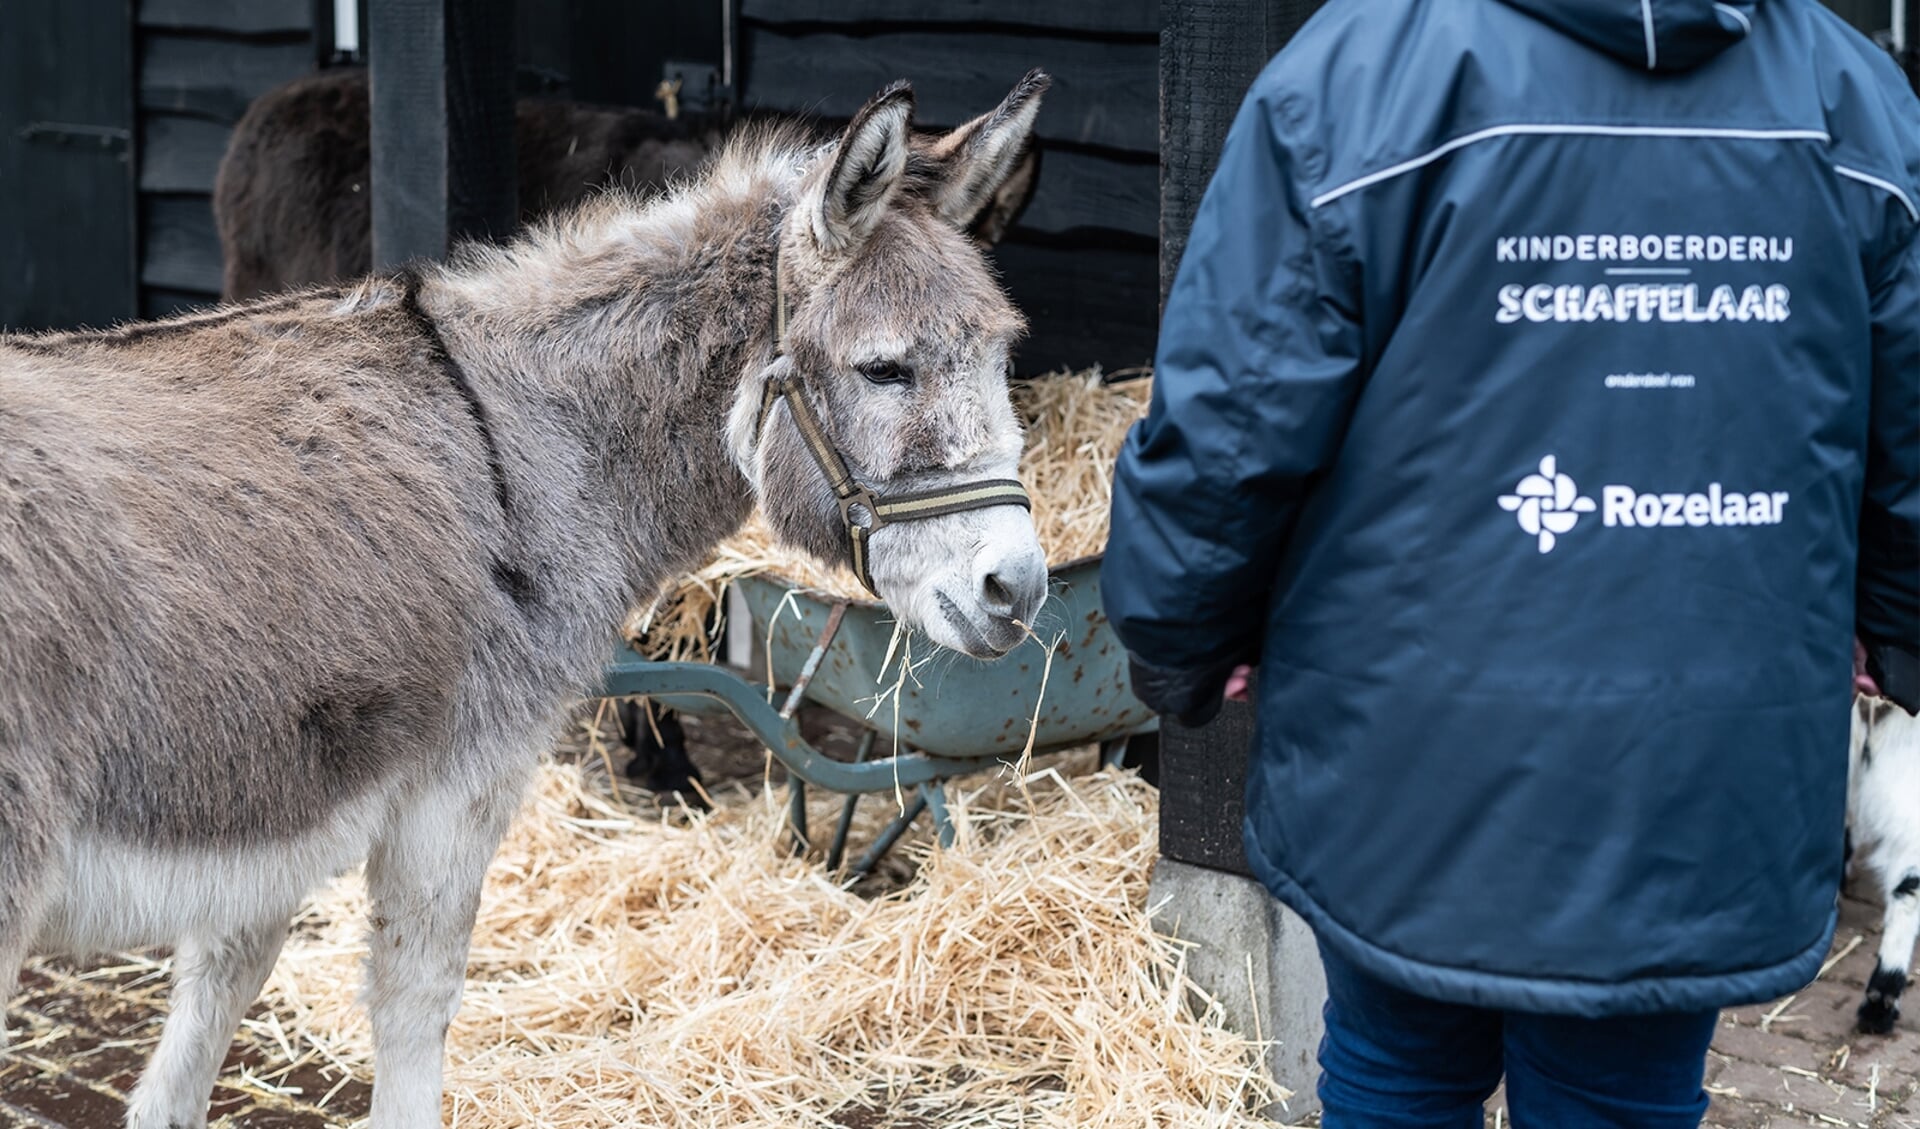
997, 594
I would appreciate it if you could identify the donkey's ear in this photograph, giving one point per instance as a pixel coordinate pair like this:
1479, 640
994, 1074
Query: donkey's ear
986, 169
867, 170
990, 224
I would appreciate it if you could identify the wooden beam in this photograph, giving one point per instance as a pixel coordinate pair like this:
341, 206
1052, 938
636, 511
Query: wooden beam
441, 74
1086, 303
1078, 190
1103, 94
1210, 53
211, 76
244, 17
180, 153
1107, 17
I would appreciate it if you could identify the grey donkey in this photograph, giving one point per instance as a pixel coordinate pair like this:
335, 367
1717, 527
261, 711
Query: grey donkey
311, 580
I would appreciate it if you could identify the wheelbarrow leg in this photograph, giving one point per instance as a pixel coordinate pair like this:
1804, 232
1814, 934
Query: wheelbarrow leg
837, 850
797, 813
934, 793
889, 835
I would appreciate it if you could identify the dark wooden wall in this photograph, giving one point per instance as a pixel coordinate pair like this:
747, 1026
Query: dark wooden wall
123, 226
1082, 262
66, 164
200, 63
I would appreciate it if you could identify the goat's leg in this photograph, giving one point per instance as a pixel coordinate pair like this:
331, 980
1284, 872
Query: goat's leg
424, 877
214, 980
1898, 931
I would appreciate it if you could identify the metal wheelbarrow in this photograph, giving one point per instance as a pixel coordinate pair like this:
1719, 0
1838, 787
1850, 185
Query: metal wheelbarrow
957, 717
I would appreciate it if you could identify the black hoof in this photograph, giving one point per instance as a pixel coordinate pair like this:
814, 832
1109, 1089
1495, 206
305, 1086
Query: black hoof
1882, 1005
678, 788
1877, 1016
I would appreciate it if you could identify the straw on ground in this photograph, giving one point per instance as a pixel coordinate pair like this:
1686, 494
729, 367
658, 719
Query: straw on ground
629, 971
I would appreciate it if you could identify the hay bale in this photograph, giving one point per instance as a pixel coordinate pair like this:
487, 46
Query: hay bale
1075, 424
630, 971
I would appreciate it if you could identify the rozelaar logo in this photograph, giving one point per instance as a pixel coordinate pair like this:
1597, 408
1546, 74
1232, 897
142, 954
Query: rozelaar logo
1547, 504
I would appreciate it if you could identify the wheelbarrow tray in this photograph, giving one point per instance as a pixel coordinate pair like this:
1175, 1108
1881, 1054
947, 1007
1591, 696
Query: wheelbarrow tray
954, 706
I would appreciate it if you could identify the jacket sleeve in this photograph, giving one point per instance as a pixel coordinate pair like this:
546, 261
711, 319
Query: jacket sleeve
1888, 588
1258, 366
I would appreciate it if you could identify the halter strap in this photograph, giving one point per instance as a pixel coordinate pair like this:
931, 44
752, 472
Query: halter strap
881, 509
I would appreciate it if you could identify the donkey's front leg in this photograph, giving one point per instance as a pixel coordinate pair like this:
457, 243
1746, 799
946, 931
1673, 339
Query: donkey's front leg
424, 877
213, 982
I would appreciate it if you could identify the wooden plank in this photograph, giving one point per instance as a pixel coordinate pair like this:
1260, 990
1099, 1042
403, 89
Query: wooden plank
179, 153
1104, 94
1085, 304
1136, 17
66, 118
1210, 53
1080, 190
244, 17
179, 249
620, 48
212, 77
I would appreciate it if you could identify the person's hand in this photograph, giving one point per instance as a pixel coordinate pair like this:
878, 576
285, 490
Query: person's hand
1863, 682
1237, 682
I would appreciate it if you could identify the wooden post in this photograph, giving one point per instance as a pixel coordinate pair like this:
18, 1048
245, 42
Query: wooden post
1210, 53
1249, 952
441, 73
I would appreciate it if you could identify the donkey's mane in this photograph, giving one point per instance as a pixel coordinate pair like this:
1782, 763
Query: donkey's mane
575, 252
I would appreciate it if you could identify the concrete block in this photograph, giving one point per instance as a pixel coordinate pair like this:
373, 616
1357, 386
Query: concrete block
1258, 959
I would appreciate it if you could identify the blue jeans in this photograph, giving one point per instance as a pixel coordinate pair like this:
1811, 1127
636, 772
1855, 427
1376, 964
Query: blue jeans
1393, 1060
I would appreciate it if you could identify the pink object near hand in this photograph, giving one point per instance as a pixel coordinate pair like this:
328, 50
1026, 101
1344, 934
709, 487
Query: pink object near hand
1237, 683
1863, 682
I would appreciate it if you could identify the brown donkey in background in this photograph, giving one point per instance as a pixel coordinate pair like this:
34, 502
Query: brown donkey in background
308, 581
293, 208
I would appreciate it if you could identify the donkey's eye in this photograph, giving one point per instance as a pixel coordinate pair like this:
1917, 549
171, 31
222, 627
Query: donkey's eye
886, 372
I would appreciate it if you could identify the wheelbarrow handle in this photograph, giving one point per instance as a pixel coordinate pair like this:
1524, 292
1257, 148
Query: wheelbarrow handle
631, 675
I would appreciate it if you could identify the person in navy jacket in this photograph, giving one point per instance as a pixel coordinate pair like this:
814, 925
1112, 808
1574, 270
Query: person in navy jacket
1538, 409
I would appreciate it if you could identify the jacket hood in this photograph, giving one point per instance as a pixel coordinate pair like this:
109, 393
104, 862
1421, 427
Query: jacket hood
1659, 35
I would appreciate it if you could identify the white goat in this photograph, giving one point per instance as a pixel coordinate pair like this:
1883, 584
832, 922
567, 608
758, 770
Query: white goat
1883, 826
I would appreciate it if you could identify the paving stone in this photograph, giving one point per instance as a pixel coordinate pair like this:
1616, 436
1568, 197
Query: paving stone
1791, 1093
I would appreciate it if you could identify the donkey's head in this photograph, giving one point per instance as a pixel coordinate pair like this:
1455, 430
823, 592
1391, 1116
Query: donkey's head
877, 433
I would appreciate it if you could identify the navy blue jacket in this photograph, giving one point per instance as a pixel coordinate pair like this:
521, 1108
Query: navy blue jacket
1538, 405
